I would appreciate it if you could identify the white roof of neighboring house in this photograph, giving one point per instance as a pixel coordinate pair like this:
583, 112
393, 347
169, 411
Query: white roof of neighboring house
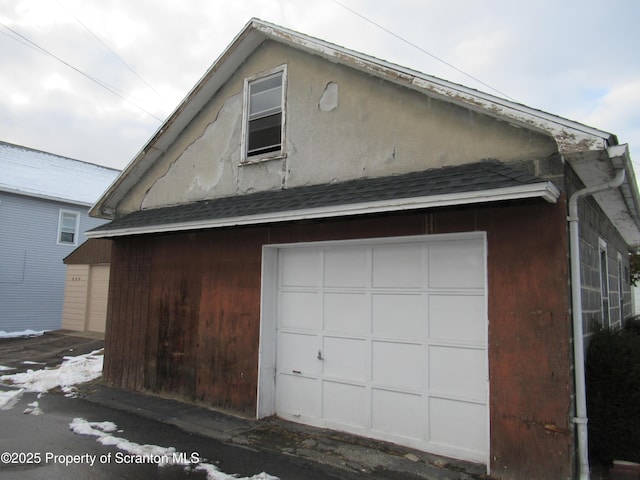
40, 174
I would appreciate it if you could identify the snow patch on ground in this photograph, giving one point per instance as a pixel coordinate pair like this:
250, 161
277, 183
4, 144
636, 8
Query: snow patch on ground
5, 369
10, 398
33, 408
72, 371
24, 333
104, 433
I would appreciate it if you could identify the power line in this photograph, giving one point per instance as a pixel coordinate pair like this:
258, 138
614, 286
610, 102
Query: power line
417, 47
110, 88
129, 67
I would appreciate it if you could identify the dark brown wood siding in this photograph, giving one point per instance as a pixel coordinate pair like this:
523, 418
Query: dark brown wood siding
185, 315
92, 252
128, 313
184, 319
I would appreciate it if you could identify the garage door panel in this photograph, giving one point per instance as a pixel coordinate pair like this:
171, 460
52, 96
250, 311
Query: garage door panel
300, 268
345, 358
300, 310
458, 372
344, 404
459, 427
398, 365
397, 413
399, 316
298, 353
301, 398
456, 264
397, 266
347, 312
458, 318
346, 267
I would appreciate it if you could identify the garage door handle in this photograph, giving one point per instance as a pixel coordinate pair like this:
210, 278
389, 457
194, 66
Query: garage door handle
320, 355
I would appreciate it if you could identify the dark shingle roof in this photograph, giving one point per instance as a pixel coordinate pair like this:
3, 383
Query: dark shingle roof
480, 176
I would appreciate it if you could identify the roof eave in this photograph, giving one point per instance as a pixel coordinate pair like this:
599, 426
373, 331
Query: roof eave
51, 198
542, 190
621, 205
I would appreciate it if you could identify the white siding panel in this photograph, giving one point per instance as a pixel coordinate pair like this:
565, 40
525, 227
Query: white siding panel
75, 297
98, 294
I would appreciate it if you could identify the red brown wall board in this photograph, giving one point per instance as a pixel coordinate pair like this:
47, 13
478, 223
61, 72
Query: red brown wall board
184, 318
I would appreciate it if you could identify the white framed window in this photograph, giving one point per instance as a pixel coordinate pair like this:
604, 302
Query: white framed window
604, 282
68, 227
264, 115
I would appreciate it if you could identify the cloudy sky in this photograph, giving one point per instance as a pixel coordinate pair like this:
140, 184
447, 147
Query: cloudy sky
94, 79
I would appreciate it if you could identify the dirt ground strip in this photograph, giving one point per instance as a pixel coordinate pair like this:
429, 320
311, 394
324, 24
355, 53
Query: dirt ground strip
47, 350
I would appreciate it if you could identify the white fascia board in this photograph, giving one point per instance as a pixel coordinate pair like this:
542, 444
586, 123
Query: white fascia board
42, 196
569, 135
544, 190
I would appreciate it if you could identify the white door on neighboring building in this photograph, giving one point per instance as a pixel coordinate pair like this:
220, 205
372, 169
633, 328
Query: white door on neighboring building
387, 339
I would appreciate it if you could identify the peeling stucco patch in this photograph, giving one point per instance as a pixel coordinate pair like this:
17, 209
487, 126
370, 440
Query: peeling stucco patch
199, 169
329, 99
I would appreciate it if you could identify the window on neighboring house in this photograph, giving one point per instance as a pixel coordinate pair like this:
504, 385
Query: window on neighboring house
68, 224
621, 288
604, 284
264, 115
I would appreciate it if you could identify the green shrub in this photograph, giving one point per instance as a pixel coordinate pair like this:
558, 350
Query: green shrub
613, 394
632, 325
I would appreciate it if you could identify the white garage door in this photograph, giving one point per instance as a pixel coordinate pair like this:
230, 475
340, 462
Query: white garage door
386, 339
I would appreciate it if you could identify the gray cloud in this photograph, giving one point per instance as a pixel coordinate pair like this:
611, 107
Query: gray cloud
575, 59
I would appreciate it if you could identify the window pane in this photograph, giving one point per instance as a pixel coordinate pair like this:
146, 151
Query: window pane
69, 221
265, 134
266, 101
67, 237
265, 115
268, 83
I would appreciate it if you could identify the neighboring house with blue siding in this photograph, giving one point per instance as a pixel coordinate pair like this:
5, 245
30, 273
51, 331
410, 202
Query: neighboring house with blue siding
44, 200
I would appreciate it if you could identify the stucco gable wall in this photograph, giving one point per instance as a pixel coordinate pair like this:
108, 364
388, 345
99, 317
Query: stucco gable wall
341, 124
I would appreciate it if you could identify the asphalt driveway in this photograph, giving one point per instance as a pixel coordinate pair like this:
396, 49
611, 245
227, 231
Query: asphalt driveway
291, 451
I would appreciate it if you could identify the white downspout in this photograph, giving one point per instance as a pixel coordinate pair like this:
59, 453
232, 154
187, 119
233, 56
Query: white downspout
576, 307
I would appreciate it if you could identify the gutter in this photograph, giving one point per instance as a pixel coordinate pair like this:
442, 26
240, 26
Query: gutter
576, 307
